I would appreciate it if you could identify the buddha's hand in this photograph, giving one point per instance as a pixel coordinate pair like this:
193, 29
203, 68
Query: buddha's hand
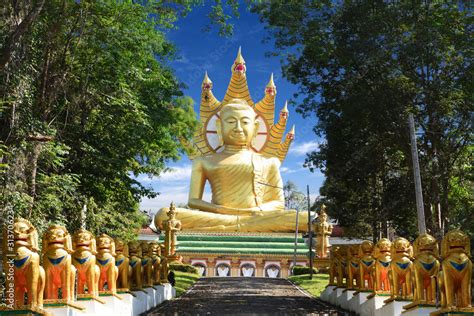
237, 211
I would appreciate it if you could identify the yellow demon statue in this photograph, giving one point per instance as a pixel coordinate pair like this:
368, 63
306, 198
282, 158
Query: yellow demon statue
136, 277
367, 263
455, 277
425, 269
122, 262
60, 273
323, 230
106, 262
29, 276
353, 269
401, 269
382, 256
171, 226
147, 265
155, 250
239, 151
84, 245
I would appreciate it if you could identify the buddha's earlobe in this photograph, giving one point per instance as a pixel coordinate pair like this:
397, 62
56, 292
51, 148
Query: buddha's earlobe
255, 132
219, 133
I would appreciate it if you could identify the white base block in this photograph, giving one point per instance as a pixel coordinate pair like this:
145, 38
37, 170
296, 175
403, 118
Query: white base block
151, 302
357, 300
168, 291
118, 307
173, 292
94, 307
63, 311
420, 311
327, 291
338, 297
371, 306
140, 303
159, 293
344, 298
127, 301
393, 308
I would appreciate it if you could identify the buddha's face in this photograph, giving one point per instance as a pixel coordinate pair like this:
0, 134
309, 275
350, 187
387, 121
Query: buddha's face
238, 126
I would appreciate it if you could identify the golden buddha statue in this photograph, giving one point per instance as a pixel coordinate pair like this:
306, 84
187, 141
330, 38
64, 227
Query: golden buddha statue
239, 154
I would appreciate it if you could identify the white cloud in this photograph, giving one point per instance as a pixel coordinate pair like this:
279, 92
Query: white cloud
181, 173
303, 148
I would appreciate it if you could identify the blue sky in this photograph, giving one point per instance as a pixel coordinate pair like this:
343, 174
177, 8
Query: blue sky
200, 52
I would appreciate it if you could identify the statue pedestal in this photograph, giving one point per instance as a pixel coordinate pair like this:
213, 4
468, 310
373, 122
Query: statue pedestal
159, 293
151, 299
327, 292
392, 308
140, 302
357, 300
335, 296
374, 302
168, 291
94, 306
63, 308
414, 309
116, 304
345, 298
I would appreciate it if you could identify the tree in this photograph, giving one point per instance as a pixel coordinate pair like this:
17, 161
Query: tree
361, 67
294, 199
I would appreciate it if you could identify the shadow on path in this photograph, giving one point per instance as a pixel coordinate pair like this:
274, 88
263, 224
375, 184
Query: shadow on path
245, 296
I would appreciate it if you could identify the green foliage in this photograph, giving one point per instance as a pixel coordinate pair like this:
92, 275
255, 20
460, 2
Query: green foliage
183, 268
361, 67
299, 270
314, 286
87, 102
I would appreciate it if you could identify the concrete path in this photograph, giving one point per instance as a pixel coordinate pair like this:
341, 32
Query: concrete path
245, 296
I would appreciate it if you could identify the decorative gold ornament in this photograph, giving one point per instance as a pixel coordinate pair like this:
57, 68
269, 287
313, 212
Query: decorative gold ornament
147, 265
353, 269
106, 262
382, 258
60, 273
401, 269
83, 258
366, 267
136, 276
29, 276
239, 155
455, 277
425, 269
323, 230
333, 265
122, 262
155, 249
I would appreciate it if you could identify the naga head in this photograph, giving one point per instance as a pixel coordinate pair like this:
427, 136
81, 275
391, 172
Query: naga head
25, 234
426, 244
106, 244
401, 247
84, 240
57, 236
455, 241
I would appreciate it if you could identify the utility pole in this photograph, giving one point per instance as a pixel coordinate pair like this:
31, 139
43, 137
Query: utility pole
296, 238
416, 173
310, 236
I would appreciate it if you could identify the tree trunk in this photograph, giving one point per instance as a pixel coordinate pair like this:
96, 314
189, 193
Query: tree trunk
31, 169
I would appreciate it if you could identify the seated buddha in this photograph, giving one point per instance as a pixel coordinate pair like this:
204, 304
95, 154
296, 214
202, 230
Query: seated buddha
243, 173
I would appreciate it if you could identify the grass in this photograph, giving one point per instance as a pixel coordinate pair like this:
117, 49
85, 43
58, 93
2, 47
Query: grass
314, 286
184, 281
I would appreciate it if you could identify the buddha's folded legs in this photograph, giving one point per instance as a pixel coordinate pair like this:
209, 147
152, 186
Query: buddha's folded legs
273, 221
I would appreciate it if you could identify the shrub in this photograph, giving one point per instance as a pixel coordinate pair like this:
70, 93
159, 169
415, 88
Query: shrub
183, 268
299, 270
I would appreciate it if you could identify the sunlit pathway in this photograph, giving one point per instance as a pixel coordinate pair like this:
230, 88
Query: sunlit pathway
245, 296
